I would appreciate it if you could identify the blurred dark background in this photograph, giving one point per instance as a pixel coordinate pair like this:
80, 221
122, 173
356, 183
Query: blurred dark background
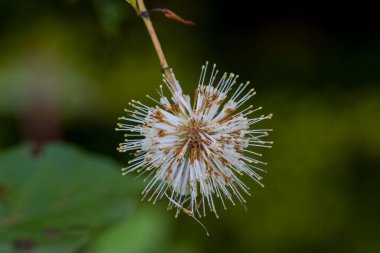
69, 67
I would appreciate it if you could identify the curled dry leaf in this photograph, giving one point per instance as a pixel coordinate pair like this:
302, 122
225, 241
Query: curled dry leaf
170, 14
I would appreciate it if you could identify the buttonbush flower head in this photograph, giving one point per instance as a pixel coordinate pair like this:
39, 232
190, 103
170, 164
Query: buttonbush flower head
194, 151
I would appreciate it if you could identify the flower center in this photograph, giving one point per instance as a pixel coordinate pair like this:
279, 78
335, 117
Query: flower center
194, 130
196, 133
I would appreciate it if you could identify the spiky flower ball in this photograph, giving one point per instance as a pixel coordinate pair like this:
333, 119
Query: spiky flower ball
193, 151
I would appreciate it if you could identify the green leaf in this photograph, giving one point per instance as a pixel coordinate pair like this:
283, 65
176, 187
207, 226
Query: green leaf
59, 199
133, 3
145, 231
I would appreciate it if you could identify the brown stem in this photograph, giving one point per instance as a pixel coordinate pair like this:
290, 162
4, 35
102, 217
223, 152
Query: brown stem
152, 33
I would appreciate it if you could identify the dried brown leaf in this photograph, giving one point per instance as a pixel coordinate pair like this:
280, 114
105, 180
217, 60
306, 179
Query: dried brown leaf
171, 15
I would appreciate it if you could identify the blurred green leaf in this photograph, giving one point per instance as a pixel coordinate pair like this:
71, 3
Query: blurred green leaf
133, 3
56, 201
146, 231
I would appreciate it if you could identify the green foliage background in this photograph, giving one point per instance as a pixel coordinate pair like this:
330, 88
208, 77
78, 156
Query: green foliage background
69, 67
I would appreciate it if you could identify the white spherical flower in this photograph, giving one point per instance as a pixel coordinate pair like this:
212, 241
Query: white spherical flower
193, 151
